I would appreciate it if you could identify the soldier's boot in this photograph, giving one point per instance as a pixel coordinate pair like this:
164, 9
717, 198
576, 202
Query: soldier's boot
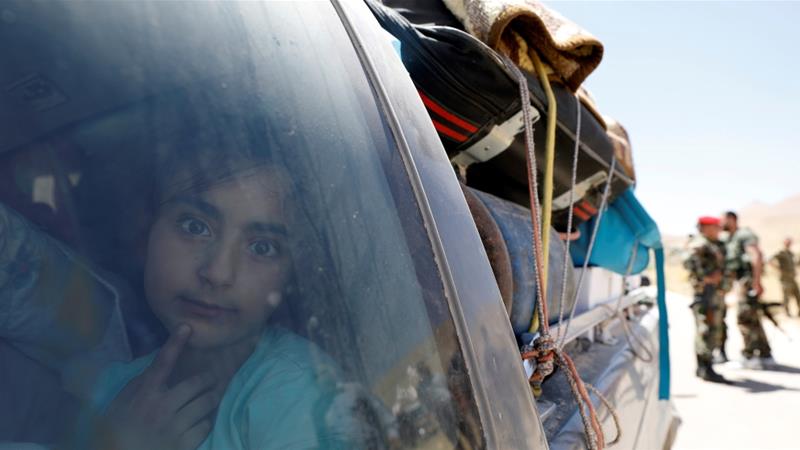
751, 362
766, 360
719, 356
706, 372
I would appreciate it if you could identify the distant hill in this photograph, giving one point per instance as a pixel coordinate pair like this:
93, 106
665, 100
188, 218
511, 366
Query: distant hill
774, 222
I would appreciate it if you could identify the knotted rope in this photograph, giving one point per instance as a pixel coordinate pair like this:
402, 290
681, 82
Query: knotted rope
544, 350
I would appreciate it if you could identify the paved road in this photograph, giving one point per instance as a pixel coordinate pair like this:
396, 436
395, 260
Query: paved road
761, 411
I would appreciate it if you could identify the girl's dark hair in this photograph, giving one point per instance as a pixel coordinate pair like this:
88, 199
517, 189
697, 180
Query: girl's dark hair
207, 150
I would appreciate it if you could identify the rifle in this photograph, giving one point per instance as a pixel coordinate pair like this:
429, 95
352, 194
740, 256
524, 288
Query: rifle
706, 298
765, 308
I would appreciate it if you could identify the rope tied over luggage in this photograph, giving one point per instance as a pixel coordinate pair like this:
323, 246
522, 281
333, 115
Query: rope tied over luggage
632, 339
543, 350
570, 215
600, 211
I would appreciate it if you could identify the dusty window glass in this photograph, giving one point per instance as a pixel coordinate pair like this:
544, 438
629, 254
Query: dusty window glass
208, 238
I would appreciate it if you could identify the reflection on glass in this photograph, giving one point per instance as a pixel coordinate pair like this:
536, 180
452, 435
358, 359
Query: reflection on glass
209, 240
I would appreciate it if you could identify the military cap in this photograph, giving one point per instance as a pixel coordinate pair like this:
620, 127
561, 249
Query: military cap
708, 220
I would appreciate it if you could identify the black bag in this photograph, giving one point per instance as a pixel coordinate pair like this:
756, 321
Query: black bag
461, 81
473, 101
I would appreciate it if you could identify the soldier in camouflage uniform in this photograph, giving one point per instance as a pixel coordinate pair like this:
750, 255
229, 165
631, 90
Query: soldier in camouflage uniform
721, 327
705, 262
786, 263
744, 260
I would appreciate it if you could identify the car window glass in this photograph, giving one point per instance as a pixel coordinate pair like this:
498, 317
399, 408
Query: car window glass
222, 167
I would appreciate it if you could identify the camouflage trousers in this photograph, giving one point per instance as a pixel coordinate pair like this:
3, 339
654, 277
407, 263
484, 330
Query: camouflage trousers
790, 291
723, 326
749, 320
708, 322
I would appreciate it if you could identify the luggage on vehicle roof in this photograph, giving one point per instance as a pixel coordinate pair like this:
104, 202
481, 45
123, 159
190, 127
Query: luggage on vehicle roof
513, 223
474, 104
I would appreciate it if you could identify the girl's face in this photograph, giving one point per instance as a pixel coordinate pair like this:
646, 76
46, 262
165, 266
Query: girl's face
217, 258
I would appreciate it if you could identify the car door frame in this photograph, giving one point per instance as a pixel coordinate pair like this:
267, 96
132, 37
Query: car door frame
505, 405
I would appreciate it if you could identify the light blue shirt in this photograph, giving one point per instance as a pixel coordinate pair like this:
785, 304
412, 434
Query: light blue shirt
277, 400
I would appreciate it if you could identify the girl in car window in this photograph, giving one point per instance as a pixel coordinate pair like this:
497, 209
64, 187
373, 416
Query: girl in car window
217, 266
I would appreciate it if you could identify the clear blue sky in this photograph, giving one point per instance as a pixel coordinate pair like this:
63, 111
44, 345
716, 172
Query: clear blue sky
710, 94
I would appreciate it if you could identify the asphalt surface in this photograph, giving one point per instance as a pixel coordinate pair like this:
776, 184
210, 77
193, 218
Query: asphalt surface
761, 410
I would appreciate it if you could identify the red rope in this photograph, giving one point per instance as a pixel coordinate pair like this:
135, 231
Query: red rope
543, 349
585, 396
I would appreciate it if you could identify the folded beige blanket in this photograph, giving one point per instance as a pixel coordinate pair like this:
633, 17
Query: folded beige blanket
622, 146
513, 27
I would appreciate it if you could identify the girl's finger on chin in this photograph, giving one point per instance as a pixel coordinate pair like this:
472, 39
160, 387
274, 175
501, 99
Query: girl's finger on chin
158, 372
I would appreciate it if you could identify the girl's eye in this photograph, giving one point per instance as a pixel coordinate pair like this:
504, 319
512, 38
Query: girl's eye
263, 249
194, 227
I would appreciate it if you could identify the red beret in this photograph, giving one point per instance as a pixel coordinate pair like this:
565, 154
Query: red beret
708, 220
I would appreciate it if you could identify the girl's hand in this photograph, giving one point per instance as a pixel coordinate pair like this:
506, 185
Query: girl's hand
149, 415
